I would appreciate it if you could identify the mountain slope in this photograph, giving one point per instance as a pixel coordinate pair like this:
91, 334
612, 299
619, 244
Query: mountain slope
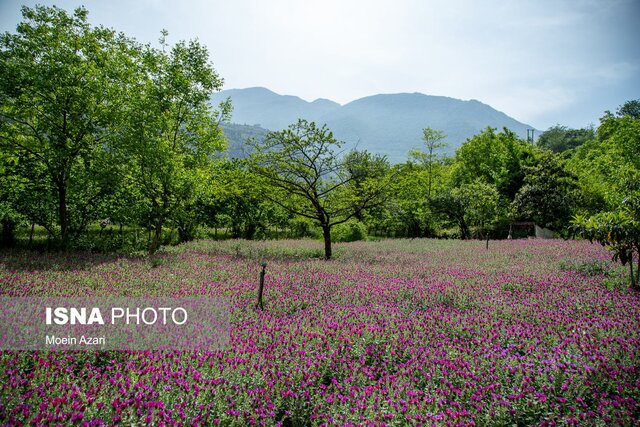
389, 124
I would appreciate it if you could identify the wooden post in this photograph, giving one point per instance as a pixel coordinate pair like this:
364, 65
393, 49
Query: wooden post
261, 288
33, 229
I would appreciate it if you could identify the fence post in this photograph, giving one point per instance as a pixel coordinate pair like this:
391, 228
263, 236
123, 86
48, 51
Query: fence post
261, 288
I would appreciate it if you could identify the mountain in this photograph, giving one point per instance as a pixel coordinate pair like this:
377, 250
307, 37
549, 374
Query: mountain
389, 124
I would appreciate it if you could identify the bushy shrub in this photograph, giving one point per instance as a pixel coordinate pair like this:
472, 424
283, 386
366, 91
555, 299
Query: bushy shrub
302, 227
449, 233
349, 231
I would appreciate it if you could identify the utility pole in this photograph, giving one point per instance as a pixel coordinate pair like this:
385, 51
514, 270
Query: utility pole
530, 135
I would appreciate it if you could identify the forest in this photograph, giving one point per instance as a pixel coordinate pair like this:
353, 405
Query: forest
108, 144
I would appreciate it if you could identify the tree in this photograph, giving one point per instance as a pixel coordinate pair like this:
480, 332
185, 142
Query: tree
365, 173
484, 207
475, 204
560, 138
618, 230
432, 140
494, 158
239, 193
407, 211
630, 109
549, 194
308, 178
615, 160
60, 83
172, 131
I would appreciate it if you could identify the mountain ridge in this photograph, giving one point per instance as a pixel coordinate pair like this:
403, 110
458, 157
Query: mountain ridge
389, 124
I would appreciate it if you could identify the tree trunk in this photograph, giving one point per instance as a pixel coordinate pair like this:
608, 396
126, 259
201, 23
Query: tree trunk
8, 233
155, 243
430, 175
33, 230
487, 247
326, 233
637, 272
62, 213
464, 230
634, 282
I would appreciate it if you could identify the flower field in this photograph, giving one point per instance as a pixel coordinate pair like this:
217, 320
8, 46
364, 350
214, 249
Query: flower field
392, 333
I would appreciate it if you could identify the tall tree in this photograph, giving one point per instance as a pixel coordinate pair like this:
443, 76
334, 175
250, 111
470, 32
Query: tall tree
172, 130
549, 195
432, 139
365, 172
475, 204
620, 231
630, 109
615, 160
308, 177
494, 158
560, 138
60, 83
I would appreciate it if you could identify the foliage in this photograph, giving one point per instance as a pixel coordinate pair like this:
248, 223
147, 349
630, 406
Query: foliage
549, 194
475, 204
171, 131
495, 158
405, 212
350, 231
238, 194
619, 230
308, 178
630, 109
60, 98
561, 138
618, 227
432, 139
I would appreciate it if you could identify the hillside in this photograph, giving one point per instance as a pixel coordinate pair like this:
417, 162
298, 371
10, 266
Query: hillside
389, 124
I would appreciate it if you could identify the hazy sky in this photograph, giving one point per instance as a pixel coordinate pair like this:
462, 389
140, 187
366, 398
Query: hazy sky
540, 61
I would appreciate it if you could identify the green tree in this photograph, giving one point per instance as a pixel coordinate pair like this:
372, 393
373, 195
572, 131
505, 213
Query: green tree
494, 158
239, 193
630, 109
365, 174
549, 194
407, 208
60, 83
605, 166
618, 230
432, 139
560, 138
614, 160
172, 131
485, 210
308, 178
476, 204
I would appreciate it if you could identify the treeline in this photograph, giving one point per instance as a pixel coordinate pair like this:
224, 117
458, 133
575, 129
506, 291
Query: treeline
94, 125
96, 128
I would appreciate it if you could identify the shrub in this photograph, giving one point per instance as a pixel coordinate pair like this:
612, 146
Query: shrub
349, 231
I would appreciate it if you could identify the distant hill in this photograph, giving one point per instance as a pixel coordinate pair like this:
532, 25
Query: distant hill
389, 124
237, 134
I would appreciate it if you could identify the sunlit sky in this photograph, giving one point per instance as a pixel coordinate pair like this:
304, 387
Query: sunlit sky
540, 61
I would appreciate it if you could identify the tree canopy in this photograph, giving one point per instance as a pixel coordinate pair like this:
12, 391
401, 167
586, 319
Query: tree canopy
309, 178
